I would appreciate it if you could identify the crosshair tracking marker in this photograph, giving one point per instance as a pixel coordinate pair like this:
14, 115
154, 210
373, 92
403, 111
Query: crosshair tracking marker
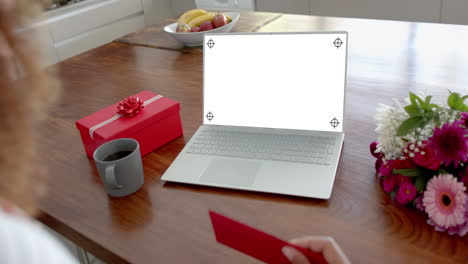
209, 116
210, 43
334, 122
338, 42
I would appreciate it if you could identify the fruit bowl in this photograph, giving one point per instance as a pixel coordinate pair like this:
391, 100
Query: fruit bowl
196, 38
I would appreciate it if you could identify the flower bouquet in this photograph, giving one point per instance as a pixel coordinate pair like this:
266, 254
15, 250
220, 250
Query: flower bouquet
422, 158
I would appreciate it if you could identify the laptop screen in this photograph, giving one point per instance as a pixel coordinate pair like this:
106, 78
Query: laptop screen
275, 80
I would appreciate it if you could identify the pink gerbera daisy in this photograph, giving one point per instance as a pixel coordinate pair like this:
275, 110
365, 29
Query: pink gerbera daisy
418, 202
450, 144
460, 230
444, 201
464, 179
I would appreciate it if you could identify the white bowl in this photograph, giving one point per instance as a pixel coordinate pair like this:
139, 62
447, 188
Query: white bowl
196, 38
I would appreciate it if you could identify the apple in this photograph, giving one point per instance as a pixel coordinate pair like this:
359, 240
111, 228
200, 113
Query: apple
195, 29
183, 28
219, 20
207, 25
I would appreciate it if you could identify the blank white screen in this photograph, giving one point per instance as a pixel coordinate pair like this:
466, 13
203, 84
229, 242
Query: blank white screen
291, 81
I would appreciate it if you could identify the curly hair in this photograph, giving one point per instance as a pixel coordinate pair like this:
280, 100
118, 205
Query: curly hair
26, 90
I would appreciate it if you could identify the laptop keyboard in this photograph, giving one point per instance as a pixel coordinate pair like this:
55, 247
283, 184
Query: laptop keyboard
266, 146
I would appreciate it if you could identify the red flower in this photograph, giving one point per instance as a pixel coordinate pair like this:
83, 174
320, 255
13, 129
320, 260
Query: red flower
464, 119
401, 179
378, 164
373, 147
406, 193
389, 183
450, 144
385, 170
426, 158
403, 164
378, 156
130, 106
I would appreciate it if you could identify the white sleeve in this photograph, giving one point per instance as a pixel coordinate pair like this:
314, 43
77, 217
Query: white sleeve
24, 241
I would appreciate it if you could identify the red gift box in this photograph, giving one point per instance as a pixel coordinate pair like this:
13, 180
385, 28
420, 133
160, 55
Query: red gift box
156, 124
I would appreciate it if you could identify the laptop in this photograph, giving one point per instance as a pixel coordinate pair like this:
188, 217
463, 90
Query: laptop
273, 108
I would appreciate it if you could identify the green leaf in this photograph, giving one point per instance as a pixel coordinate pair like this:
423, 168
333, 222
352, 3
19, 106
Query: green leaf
437, 120
420, 101
452, 100
412, 110
442, 171
420, 183
412, 98
409, 124
427, 103
428, 100
416, 172
456, 102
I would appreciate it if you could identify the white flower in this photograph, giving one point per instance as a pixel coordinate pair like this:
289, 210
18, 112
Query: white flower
389, 118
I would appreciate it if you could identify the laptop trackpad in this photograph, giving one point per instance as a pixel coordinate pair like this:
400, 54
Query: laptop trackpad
231, 172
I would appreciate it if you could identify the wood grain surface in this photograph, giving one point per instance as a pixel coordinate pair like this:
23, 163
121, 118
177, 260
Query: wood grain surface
155, 37
169, 223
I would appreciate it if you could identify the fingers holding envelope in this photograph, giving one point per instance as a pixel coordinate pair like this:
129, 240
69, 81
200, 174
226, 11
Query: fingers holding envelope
332, 253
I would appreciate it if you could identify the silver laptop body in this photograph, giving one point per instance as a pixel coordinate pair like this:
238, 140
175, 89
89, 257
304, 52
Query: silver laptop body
273, 114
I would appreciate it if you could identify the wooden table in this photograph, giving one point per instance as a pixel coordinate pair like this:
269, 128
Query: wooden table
168, 223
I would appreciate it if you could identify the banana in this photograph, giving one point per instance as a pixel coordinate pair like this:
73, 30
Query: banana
190, 15
196, 22
229, 19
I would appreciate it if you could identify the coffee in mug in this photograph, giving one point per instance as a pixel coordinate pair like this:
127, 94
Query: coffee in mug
120, 167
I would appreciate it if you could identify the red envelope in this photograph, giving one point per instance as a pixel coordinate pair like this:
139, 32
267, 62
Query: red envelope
255, 243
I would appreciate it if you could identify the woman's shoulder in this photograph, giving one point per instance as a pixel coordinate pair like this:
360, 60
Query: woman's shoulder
22, 240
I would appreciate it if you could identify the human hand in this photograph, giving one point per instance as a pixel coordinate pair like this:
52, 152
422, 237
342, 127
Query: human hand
325, 245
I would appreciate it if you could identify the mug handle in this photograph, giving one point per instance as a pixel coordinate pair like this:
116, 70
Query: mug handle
110, 177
